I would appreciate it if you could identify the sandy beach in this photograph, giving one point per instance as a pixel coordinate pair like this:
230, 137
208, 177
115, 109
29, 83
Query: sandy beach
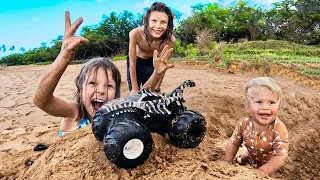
218, 96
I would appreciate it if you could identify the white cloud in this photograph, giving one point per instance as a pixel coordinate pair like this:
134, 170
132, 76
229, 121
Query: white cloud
141, 5
35, 19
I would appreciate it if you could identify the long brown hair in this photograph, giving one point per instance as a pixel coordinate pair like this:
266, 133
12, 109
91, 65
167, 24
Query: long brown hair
159, 7
91, 66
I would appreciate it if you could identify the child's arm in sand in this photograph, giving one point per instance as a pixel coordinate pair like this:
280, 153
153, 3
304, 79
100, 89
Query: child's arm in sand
273, 165
235, 141
231, 151
43, 97
161, 65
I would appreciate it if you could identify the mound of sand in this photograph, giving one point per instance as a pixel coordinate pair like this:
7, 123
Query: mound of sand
80, 156
218, 96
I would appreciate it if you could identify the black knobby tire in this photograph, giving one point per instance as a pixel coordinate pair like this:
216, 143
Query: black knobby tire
99, 125
102, 121
123, 143
188, 130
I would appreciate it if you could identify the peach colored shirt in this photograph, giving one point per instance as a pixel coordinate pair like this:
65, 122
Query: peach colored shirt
261, 146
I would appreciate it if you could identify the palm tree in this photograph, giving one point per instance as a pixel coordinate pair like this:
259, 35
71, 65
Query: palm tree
4, 48
22, 49
12, 48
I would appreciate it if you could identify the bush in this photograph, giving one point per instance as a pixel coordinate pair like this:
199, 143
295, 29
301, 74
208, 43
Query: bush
203, 41
179, 50
192, 51
270, 44
13, 59
119, 58
280, 52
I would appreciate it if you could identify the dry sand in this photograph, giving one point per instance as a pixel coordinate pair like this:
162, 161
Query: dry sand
219, 96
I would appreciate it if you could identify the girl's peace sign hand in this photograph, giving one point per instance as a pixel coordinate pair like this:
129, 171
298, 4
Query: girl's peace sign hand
161, 64
70, 42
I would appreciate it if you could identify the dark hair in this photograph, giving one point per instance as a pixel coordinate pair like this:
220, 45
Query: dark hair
159, 7
94, 64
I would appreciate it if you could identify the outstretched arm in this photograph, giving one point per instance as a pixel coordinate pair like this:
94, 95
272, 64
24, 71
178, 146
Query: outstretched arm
43, 97
161, 65
133, 61
273, 165
171, 44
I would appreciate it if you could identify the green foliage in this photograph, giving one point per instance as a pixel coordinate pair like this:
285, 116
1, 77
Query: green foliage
12, 59
179, 50
192, 51
273, 58
224, 63
270, 44
309, 71
287, 21
119, 58
110, 37
273, 51
281, 52
296, 21
44, 63
212, 44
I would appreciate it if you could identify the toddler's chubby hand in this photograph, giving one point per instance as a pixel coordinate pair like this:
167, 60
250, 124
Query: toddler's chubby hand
70, 42
161, 64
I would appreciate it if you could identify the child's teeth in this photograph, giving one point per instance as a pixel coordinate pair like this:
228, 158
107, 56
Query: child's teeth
98, 100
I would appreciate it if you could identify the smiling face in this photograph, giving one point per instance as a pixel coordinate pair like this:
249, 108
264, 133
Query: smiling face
158, 24
263, 106
99, 88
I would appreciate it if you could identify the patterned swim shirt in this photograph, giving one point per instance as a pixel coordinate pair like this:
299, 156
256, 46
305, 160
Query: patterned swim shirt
261, 146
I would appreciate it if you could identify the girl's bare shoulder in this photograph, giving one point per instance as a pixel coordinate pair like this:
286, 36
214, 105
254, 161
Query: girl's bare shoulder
136, 32
173, 39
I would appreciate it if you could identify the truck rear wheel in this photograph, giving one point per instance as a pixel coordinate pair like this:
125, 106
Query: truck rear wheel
188, 130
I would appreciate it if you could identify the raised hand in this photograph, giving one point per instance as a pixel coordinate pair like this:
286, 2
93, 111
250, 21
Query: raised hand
161, 64
70, 42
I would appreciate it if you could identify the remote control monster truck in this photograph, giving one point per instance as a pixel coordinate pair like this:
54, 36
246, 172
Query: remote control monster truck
124, 125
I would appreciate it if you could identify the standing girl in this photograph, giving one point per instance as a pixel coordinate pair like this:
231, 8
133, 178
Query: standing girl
156, 32
98, 82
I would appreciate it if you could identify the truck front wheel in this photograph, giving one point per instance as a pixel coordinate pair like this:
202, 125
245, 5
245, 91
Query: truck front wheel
128, 144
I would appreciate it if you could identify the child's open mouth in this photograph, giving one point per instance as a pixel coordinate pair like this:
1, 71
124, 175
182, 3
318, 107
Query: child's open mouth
157, 31
264, 116
97, 103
